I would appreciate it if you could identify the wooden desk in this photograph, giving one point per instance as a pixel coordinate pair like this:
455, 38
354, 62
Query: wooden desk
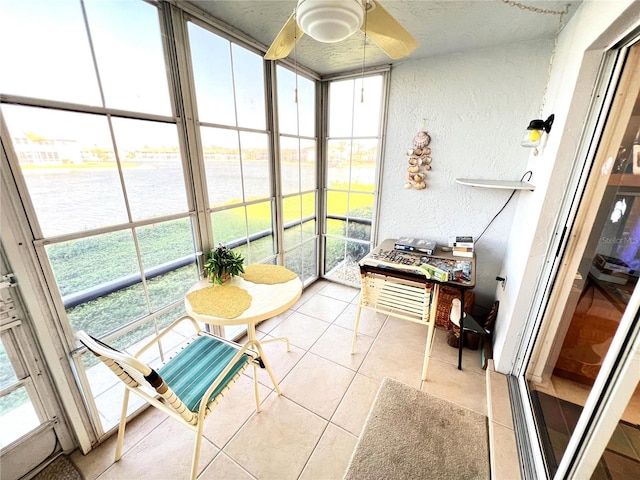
400, 289
267, 301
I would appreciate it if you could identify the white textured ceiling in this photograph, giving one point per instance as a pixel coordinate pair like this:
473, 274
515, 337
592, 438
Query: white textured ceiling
441, 27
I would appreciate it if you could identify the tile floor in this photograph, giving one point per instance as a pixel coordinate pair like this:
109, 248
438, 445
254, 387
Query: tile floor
310, 431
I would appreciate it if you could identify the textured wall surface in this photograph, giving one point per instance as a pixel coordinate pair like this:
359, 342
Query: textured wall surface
475, 106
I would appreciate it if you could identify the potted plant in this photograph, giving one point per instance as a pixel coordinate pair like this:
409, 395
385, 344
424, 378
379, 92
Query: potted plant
222, 264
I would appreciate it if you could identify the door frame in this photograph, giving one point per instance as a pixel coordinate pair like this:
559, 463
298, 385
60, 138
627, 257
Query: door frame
617, 379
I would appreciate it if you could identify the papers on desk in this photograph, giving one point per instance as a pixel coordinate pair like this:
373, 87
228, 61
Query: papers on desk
440, 269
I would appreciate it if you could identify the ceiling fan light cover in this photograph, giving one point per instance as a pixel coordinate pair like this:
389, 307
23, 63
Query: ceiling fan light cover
329, 21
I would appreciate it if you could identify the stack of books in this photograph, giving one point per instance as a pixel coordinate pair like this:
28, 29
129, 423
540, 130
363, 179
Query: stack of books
610, 269
418, 245
462, 247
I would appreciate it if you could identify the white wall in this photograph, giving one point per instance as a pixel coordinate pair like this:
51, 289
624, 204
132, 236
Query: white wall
476, 106
591, 30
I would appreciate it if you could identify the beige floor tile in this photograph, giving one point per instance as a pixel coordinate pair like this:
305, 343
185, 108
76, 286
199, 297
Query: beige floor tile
323, 308
302, 330
279, 359
268, 325
223, 468
304, 298
277, 442
471, 359
166, 453
335, 345
317, 384
500, 403
340, 292
233, 410
318, 285
331, 456
370, 322
504, 454
462, 387
100, 458
403, 335
386, 360
354, 407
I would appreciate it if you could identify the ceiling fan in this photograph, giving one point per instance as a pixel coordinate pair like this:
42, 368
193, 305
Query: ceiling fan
330, 21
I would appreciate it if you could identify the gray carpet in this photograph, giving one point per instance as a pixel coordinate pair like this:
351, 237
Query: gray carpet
411, 434
62, 468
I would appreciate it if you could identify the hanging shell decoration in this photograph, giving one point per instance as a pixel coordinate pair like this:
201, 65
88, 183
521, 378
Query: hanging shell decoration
419, 161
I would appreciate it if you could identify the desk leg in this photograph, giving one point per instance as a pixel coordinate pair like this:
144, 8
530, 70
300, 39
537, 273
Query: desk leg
461, 342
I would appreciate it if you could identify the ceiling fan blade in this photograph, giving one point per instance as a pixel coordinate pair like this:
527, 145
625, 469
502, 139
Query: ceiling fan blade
385, 31
285, 40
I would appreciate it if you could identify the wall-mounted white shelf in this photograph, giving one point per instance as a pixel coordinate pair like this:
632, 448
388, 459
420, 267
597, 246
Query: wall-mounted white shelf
504, 184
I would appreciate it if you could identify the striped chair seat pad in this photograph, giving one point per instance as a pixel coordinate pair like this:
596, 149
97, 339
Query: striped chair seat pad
192, 371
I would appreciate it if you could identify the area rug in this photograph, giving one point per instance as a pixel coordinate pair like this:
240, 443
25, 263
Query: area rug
62, 468
410, 434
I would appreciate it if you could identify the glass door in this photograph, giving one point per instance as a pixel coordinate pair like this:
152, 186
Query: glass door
592, 312
30, 420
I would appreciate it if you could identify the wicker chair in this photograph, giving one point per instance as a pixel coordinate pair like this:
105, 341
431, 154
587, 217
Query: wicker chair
187, 387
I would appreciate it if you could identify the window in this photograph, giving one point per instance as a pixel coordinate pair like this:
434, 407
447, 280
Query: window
355, 107
230, 98
98, 149
298, 172
122, 190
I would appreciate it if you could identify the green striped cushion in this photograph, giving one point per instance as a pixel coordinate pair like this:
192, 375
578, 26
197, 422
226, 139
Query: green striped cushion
194, 369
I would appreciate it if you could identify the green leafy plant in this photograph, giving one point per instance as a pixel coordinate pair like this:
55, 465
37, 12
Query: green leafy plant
222, 264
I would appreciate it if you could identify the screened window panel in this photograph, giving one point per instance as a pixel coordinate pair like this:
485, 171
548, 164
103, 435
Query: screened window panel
256, 173
341, 96
334, 253
211, 60
167, 245
307, 106
68, 163
359, 230
308, 165
87, 262
367, 107
290, 165
337, 203
109, 312
309, 211
260, 228
248, 76
293, 261
222, 166
171, 286
292, 213
103, 265
303, 261
151, 166
296, 118
229, 225
336, 227
363, 166
165, 242
339, 165
287, 107
128, 45
46, 52
7, 373
17, 404
361, 205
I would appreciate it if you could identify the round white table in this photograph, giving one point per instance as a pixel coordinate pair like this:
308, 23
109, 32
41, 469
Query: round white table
267, 301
